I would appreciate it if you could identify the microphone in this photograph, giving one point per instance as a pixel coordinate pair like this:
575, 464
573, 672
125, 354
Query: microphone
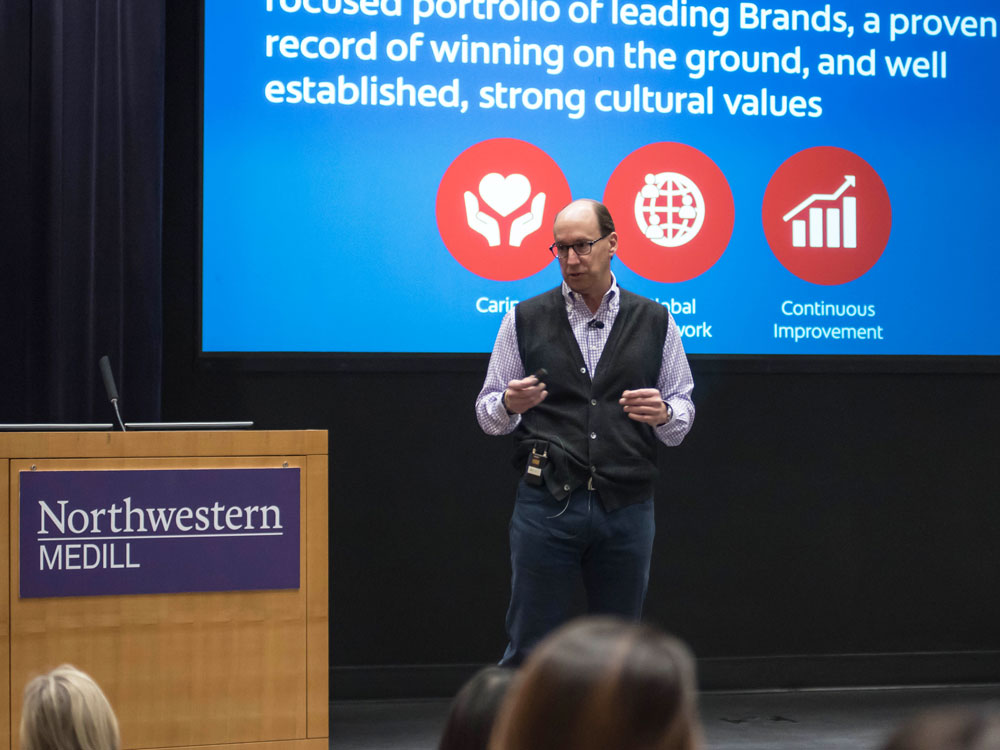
109, 386
109, 380
595, 323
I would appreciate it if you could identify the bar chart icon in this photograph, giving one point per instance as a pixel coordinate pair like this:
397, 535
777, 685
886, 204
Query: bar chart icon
825, 225
841, 220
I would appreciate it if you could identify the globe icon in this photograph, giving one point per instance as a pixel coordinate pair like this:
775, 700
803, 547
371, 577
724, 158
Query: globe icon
669, 209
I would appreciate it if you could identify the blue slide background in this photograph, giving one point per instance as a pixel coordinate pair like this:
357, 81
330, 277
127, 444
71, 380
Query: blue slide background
319, 228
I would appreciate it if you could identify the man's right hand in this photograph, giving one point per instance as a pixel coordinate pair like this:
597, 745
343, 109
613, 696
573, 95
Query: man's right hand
523, 394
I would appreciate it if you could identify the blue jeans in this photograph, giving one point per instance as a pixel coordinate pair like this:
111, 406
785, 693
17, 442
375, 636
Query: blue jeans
553, 543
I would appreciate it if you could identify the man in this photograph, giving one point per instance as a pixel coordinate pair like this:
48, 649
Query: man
608, 378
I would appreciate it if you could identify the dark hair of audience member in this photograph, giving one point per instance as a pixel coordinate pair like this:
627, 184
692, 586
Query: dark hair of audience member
600, 683
958, 728
66, 710
474, 710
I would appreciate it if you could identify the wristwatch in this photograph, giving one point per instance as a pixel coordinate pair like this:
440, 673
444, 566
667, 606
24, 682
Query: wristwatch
503, 400
670, 413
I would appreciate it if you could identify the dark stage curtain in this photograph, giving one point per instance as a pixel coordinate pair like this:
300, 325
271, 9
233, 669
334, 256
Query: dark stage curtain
81, 127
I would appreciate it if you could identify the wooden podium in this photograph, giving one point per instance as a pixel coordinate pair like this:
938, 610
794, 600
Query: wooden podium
180, 670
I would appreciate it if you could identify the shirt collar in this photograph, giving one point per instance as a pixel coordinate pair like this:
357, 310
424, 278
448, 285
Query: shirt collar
610, 297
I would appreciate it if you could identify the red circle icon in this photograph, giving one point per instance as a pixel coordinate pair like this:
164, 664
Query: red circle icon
673, 211
826, 215
495, 208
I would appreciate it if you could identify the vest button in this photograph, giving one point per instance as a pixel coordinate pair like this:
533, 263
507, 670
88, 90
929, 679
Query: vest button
593, 402
593, 436
583, 370
566, 487
593, 469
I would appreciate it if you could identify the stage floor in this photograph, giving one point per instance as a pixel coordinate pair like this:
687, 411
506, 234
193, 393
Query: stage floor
786, 720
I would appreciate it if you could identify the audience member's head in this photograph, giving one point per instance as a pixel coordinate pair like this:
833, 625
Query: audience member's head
600, 683
66, 710
474, 709
949, 729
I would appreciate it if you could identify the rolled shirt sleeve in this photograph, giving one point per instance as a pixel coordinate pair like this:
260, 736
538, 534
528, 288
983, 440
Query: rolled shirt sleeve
505, 365
675, 384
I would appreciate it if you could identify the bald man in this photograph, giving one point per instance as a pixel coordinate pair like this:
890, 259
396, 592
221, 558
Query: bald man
588, 377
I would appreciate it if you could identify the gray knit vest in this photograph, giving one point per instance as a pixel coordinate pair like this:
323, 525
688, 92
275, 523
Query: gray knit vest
585, 430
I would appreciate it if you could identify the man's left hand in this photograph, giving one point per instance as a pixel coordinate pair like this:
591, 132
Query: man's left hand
645, 405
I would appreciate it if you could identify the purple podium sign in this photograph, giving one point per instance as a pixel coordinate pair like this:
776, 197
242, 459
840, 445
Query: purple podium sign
153, 531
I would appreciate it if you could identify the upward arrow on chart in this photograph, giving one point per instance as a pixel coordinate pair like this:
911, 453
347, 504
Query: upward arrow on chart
849, 181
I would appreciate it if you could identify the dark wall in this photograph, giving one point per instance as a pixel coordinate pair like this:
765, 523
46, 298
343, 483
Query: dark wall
806, 513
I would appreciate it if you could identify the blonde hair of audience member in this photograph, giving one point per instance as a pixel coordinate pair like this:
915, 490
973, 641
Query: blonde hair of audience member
600, 683
66, 710
960, 728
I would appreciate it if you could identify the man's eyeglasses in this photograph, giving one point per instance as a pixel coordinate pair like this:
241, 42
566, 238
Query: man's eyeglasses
581, 247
